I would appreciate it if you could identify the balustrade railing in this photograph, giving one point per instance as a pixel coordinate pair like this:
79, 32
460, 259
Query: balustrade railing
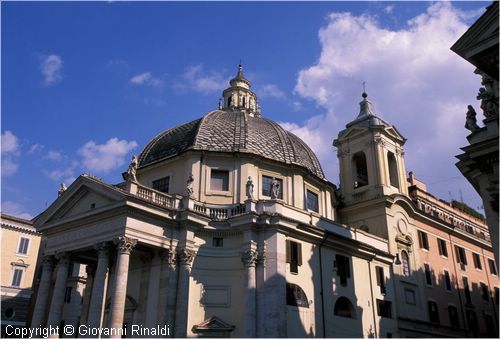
156, 197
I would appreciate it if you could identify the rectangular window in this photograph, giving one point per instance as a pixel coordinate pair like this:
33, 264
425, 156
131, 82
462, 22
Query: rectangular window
493, 268
497, 295
162, 184
17, 276
485, 293
384, 308
312, 201
428, 275
423, 240
380, 278
433, 312
272, 187
343, 268
465, 282
447, 280
443, 249
453, 313
410, 297
23, 245
217, 242
477, 261
294, 255
219, 180
67, 295
461, 257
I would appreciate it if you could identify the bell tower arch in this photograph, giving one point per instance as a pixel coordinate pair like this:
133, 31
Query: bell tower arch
371, 157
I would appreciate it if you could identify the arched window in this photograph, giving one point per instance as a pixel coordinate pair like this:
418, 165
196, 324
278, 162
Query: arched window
229, 99
360, 170
344, 308
405, 262
393, 169
295, 296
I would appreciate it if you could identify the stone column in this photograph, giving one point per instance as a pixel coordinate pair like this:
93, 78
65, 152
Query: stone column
87, 294
249, 258
56, 306
164, 290
42, 298
119, 294
185, 257
261, 297
99, 286
153, 291
173, 279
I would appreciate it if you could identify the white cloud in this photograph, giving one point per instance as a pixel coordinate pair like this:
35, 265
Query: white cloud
271, 91
10, 153
197, 79
388, 9
50, 67
53, 155
35, 148
414, 80
146, 78
102, 158
15, 209
10, 143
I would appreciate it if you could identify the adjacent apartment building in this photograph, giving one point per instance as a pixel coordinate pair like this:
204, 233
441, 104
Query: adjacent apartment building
20, 243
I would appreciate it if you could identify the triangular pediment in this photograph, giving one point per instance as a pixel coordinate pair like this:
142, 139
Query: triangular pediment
483, 34
213, 324
394, 133
84, 195
353, 133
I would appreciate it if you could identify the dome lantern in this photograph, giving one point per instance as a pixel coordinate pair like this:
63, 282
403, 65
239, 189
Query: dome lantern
239, 96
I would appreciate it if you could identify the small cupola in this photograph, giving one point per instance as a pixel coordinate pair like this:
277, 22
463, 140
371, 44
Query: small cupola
239, 96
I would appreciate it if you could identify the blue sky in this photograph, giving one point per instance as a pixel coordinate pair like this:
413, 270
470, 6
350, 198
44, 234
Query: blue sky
85, 85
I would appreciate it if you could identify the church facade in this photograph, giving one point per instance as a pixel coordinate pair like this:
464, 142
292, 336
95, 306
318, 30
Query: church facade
226, 226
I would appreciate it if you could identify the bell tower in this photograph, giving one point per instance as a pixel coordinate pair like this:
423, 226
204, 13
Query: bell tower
371, 157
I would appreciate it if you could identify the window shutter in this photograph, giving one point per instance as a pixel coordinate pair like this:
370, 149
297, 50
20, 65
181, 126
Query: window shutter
288, 251
299, 254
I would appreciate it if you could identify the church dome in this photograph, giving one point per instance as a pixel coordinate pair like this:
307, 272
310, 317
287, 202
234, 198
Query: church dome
232, 131
236, 126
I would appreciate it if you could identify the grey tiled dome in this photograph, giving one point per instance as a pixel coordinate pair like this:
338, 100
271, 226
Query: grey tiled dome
232, 131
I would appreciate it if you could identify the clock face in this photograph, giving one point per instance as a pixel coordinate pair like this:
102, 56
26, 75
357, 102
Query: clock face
402, 226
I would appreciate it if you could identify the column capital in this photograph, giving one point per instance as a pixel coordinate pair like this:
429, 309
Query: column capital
167, 256
63, 258
249, 257
125, 244
102, 246
48, 261
185, 256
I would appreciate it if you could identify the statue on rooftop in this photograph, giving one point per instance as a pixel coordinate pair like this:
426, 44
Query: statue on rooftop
189, 186
470, 120
62, 189
250, 188
275, 189
132, 170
